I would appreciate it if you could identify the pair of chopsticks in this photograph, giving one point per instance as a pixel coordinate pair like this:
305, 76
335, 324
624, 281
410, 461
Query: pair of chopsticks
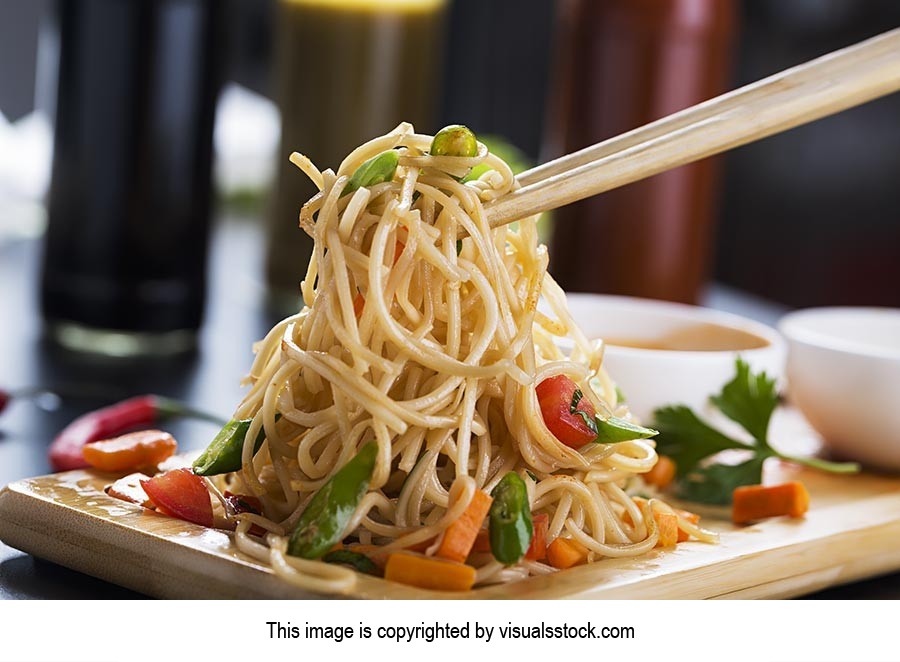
810, 91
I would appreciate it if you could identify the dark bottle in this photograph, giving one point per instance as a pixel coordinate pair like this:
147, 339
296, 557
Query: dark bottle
622, 64
125, 255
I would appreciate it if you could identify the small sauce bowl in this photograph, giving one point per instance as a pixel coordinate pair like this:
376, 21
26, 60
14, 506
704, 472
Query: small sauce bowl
662, 353
843, 373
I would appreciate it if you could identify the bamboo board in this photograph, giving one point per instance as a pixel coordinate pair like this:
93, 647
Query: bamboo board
851, 532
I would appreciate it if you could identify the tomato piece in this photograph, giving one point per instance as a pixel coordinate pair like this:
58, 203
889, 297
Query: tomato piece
555, 398
182, 494
538, 549
146, 448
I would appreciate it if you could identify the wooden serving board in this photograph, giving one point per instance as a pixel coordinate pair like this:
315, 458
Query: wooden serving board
852, 531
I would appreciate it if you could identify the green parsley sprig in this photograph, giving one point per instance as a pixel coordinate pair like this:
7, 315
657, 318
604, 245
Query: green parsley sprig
749, 400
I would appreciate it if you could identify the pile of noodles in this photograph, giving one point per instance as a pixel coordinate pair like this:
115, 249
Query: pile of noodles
432, 350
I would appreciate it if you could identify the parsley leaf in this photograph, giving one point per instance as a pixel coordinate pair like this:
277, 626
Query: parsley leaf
749, 400
687, 439
714, 484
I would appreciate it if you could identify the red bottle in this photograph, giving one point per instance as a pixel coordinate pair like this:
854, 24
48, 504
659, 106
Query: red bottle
621, 64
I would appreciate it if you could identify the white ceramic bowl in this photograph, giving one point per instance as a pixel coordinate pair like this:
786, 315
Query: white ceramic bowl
652, 378
844, 375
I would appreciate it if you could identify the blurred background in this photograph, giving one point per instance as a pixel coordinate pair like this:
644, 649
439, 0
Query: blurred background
148, 212
117, 115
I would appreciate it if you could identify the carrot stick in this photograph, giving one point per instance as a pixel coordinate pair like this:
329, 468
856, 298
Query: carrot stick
755, 502
564, 553
460, 535
662, 474
693, 518
668, 535
668, 529
424, 572
537, 551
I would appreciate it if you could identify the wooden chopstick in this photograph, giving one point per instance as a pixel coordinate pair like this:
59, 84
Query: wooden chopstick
805, 93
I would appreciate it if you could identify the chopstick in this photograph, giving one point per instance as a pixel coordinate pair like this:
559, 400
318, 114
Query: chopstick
810, 91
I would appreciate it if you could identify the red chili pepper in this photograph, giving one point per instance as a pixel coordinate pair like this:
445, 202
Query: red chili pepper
65, 452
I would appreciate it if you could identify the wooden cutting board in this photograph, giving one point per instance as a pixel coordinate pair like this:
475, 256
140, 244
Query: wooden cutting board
851, 532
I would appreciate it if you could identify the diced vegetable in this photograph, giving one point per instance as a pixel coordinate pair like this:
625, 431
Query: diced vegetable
182, 494
756, 502
429, 573
662, 474
357, 561
359, 303
460, 535
537, 551
693, 518
380, 168
223, 455
326, 516
564, 553
666, 522
129, 452
668, 528
128, 488
510, 524
569, 416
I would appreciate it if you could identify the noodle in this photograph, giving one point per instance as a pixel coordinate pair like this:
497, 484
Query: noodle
430, 349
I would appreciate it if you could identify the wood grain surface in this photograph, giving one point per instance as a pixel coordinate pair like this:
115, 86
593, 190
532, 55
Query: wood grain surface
851, 532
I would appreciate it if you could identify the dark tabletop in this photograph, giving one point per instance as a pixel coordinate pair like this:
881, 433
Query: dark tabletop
208, 378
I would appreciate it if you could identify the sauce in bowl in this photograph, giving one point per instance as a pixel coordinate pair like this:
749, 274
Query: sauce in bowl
702, 337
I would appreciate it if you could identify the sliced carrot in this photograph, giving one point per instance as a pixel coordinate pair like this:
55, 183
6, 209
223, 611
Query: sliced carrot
129, 452
693, 518
564, 553
755, 502
664, 521
128, 488
668, 529
662, 474
398, 250
359, 302
537, 551
429, 573
460, 535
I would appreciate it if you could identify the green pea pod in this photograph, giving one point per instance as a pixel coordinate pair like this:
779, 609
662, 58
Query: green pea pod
359, 562
613, 430
326, 516
223, 454
511, 528
454, 140
380, 168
